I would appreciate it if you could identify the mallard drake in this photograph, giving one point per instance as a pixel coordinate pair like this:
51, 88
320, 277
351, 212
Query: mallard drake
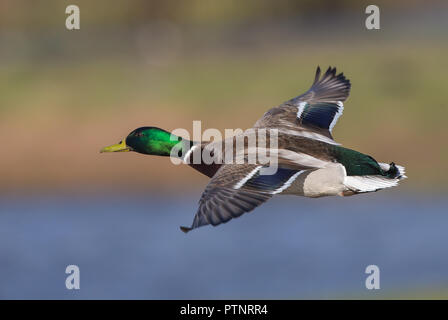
310, 163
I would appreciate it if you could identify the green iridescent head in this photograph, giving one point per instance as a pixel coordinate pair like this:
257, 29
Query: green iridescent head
149, 140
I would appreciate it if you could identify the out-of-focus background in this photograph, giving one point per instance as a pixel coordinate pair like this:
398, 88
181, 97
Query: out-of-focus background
65, 94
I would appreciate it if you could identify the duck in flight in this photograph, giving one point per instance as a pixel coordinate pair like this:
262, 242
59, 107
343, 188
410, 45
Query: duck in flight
310, 163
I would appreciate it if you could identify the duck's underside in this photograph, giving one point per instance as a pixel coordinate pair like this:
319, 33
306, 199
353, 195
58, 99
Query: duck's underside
333, 180
349, 172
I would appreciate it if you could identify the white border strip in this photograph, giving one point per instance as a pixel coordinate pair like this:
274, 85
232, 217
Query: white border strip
246, 178
288, 183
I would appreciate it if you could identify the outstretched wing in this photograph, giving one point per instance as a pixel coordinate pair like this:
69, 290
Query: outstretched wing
236, 189
316, 110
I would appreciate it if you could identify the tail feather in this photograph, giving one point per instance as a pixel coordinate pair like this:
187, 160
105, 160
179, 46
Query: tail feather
393, 170
371, 183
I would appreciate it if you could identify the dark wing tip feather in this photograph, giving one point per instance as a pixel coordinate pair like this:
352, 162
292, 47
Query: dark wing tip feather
317, 76
330, 71
185, 229
222, 204
331, 86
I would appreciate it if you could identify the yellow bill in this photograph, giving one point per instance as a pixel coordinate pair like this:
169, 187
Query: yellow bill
119, 147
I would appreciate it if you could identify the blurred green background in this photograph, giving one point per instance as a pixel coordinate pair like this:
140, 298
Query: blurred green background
65, 94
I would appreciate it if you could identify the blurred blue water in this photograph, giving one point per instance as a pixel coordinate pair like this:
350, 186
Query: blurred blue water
291, 247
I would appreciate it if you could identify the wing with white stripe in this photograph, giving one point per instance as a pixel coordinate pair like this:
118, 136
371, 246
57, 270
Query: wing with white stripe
316, 110
236, 189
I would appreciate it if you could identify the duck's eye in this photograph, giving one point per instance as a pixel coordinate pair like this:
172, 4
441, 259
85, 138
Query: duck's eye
138, 134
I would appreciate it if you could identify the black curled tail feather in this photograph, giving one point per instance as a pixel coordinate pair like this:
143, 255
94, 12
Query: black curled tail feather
393, 172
